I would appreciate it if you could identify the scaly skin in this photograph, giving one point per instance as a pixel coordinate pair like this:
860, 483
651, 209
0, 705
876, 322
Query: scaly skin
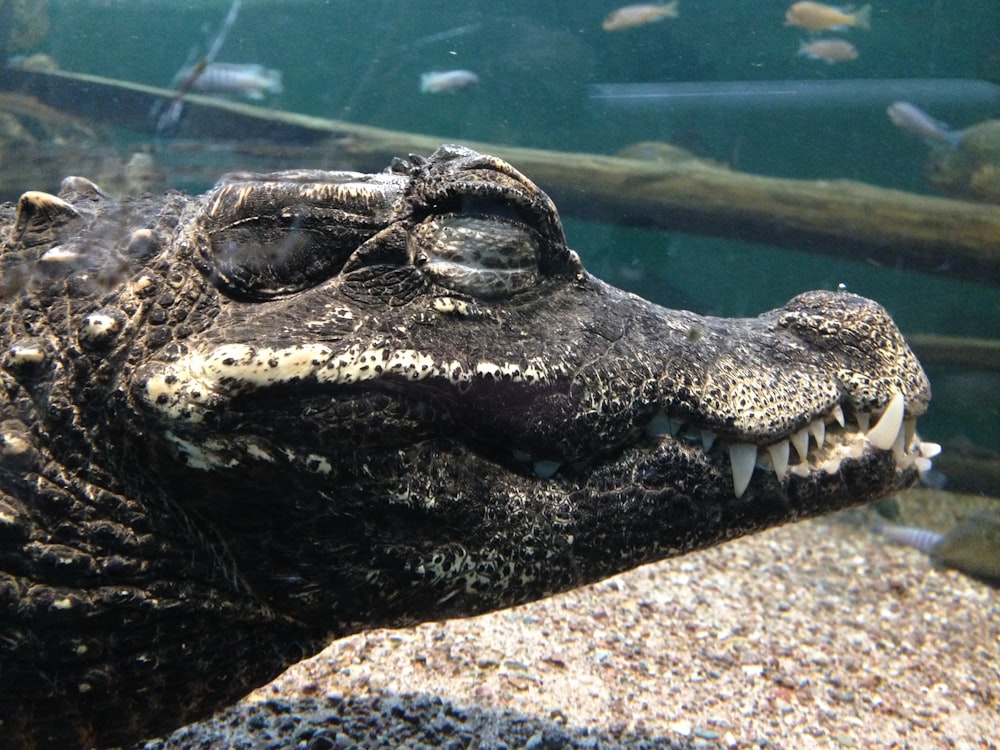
237, 426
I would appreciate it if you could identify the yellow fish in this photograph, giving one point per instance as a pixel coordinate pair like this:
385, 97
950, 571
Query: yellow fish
819, 17
637, 15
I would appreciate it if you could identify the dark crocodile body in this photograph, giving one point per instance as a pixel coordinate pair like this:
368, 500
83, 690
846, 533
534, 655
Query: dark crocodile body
235, 427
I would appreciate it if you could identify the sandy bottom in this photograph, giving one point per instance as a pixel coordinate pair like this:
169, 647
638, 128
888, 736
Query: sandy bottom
813, 635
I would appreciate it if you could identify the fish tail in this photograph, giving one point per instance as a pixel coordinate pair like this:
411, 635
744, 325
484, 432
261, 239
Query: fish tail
274, 84
425, 82
862, 19
670, 10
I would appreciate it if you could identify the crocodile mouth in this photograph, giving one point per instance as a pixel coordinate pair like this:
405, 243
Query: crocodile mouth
818, 448
239, 379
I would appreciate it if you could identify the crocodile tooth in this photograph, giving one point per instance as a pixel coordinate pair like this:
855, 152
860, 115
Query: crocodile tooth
898, 449
707, 439
659, 426
818, 430
909, 431
800, 470
863, 421
779, 457
923, 465
742, 456
546, 469
831, 465
800, 440
927, 449
883, 434
838, 415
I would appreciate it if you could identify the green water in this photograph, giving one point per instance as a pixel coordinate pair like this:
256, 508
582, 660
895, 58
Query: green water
361, 61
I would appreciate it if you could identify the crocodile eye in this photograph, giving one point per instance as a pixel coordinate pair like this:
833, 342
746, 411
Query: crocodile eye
484, 256
264, 236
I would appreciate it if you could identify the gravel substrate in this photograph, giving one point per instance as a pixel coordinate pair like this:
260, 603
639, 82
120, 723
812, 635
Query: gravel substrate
813, 635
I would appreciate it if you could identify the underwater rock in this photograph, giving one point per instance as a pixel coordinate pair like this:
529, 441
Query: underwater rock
23, 25
972, 547
971, 168
970, 544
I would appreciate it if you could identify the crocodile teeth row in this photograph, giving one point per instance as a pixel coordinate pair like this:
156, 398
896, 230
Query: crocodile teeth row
890, 432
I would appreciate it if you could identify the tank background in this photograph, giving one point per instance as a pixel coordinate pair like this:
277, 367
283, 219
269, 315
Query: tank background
362, 62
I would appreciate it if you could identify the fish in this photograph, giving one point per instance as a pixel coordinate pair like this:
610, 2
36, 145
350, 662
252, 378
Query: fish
829, 51
819, 17
168, 118
249, 80
913, 120
437, 81
630, 16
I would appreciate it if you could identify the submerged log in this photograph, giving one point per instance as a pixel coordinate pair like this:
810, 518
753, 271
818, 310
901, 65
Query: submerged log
956, 351
842, 218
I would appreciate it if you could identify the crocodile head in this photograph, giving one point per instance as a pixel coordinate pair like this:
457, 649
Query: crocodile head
309, 403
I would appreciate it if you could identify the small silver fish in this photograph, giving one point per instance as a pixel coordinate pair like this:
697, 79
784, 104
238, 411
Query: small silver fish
250, 80
915, 121
436, 82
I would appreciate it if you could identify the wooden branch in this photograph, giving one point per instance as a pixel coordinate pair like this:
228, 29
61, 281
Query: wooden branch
955, 351
841, 218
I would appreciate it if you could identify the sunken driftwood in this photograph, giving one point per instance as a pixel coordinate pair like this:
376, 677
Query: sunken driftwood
842, 218
956, 351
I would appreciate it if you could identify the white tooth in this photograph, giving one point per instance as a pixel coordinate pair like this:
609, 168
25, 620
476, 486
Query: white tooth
707, 439
779, 458
831, 465
909, 432
863, 421
818, 430
884, 433
897, 447
659, 426
800, 440
742, 456
546, 469
928, 450
923, 464
838, 415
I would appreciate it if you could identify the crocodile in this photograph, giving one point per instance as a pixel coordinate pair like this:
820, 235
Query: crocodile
238, 426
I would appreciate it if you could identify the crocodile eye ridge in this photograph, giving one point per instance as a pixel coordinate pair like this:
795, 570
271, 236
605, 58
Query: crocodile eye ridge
261, 236
484, 256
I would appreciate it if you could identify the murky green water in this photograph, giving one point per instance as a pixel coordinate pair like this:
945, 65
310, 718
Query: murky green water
537, 65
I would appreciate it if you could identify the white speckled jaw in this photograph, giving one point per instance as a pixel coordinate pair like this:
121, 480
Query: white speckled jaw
182, 395
185, 390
